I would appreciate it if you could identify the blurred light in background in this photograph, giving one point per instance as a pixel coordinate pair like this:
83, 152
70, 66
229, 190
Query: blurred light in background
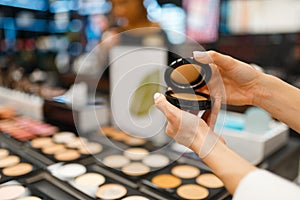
41, 5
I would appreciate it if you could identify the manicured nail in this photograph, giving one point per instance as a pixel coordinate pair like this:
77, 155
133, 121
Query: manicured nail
199, 54
156, 95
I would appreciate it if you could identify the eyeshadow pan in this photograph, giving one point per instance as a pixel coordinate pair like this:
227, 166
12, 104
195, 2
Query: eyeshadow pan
9, 161
135, 169
90, 179
67, 155
185, 171
156, 160
136, 153
3, 153
18, 170
41, 142
53, 149
192, 191
11, 191
135, 197
133, 141
71, 170
166, 181
90, 148
209, 180
76, 142
115, 161
63, 137
111, 191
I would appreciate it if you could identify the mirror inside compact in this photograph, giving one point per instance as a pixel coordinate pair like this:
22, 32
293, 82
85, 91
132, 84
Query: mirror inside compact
185, 76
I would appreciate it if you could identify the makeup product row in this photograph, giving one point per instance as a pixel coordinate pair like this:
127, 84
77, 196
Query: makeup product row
23, 128
87, 179
65, 146
185, 181
121, 136
13, 166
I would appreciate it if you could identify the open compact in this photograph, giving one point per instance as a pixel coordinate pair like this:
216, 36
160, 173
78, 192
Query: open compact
185, 76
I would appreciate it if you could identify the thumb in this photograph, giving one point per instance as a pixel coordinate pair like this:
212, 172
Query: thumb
163, 105
213, 57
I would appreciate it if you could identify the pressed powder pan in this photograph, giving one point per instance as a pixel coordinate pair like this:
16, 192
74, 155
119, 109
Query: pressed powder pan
185, 76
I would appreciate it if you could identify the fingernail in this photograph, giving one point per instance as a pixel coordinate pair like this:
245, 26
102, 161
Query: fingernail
156, 95
199, 54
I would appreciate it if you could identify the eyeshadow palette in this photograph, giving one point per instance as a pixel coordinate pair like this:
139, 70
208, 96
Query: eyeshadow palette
122, 136
13, 166
91, 181
65, 147
184, 181
132, 164
42, 184
23, 129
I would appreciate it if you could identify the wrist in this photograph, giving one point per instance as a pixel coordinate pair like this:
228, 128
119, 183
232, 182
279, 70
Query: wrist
261, 90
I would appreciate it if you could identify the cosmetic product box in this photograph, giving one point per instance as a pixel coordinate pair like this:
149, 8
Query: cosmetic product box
251, 145
82, 119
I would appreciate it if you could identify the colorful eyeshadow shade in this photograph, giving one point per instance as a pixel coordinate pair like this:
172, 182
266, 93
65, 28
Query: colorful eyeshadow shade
185, 171
18, 170
90, 179
55, 148
90, 148
11, 192
135, 169
209, 180
192, 191
41, 142
156, 160
63, 137
9, 161
166, 181
111, 191
136, 153
67, 155
71, 170
115, 161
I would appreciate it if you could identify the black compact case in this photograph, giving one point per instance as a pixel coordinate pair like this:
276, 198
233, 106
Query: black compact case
184, 76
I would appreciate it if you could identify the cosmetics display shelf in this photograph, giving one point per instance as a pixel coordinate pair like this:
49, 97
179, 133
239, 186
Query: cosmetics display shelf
150, 188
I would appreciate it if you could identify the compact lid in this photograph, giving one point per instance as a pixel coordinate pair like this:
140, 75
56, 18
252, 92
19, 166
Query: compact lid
187, 74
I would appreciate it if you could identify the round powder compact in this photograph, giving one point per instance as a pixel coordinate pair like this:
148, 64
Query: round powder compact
136, 153
77, 142
135, 197
9, 161
90, 179
192, 191
30, 198
185, 171
115, 161
67, 155
111, 191
63, 137
166, 181
12, 191
55, 148
3, 153
41, 142
135, 169
209, 180
156, 160
70, 171
90, 148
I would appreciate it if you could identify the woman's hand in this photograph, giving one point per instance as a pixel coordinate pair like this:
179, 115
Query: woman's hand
188, 129
234, 81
